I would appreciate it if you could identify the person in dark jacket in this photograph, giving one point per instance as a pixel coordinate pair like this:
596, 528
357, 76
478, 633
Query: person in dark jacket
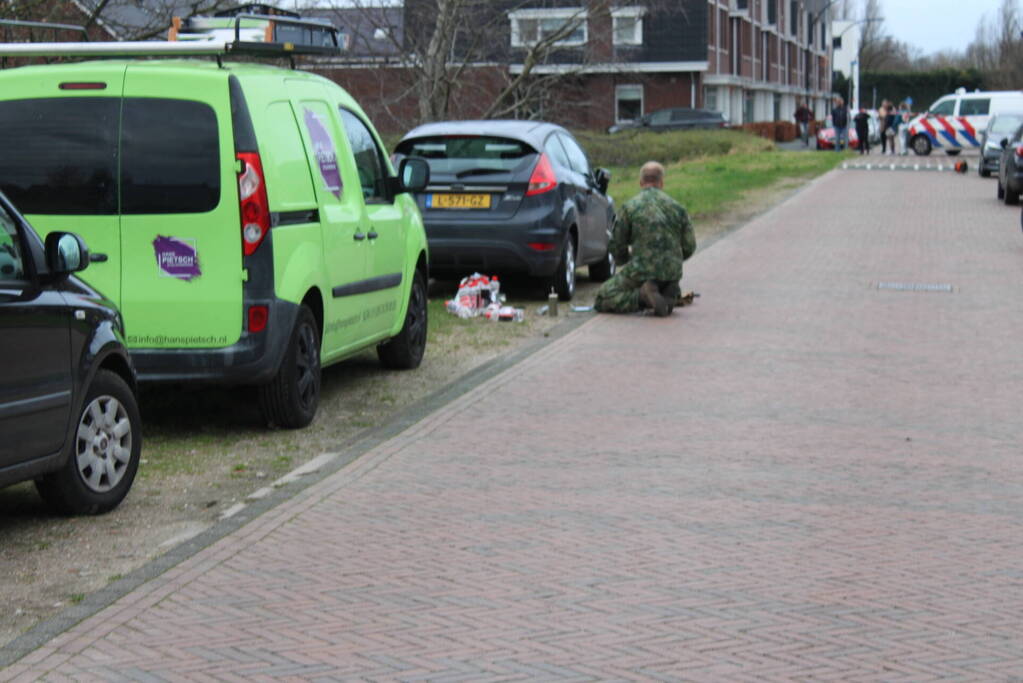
803, 118
840, 121
862, 121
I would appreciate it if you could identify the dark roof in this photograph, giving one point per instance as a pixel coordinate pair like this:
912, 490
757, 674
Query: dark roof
135, 19
533, 132
368, 31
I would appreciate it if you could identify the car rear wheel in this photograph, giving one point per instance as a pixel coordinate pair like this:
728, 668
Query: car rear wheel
405, 351
105, 454
984, 173
290, 399
564, 276
603, 269
1011, 196
921, 145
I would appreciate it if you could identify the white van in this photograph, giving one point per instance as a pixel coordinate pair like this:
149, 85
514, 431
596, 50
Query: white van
955, 121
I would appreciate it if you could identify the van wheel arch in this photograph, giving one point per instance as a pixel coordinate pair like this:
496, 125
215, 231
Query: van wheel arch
314, 301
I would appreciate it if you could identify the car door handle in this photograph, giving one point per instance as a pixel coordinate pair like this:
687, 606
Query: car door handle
97, 257
373, 234
359, 236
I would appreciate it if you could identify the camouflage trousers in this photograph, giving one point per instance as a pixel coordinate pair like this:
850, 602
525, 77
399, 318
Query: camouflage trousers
620, 294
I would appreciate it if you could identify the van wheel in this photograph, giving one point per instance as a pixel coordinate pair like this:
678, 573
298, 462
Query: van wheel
921, 145
290, 399
105, 454
405, 351
564, 276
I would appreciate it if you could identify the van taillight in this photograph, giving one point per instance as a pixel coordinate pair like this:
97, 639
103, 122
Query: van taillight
543, 178
255, 209
258, 317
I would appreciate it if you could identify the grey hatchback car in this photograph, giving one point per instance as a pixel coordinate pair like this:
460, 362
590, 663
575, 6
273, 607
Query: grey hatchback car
512, 197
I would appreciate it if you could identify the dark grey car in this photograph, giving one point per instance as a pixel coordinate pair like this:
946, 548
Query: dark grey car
1000, 126
678, 118
1010, 168
68, 412
512, 197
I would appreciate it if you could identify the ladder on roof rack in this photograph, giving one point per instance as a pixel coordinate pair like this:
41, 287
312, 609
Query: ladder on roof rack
271, 33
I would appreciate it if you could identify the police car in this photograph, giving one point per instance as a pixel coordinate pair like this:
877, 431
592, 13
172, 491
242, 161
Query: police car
955, 122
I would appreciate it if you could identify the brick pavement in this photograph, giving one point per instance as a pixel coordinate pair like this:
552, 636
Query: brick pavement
801, 477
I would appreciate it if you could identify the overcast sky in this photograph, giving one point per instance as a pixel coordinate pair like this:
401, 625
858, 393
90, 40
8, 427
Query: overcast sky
934, 25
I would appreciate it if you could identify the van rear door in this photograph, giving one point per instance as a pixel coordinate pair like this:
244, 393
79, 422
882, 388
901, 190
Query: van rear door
60, 156
180, 229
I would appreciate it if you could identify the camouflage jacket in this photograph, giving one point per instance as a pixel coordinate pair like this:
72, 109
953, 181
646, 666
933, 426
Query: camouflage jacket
660, 233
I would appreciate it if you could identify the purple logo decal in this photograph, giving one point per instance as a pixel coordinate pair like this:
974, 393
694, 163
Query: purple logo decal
323, 147
177, 257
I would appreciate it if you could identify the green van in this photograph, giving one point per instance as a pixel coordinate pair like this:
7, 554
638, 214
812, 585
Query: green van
244, 217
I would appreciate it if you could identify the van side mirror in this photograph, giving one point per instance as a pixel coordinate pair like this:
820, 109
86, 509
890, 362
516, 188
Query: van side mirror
413, 175
66, 253
603, 178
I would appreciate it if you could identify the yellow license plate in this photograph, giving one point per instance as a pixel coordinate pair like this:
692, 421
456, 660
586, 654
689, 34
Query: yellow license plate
460, 201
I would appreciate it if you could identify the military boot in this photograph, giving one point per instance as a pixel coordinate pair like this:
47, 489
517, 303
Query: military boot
650, 295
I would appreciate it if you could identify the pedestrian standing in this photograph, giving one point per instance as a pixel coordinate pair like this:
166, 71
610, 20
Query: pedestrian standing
661, 237
904, 118
882, 124
862, 122
803, 118
888, 127
840, 122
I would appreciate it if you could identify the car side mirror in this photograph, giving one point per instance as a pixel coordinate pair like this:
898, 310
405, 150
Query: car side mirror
413, 175
1004, 143
603, 178
66, 253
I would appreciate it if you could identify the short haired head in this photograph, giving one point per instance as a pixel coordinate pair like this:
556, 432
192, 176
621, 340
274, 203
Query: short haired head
651, 175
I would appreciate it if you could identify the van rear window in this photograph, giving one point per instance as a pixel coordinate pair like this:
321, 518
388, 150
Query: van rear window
60, 156
170, 157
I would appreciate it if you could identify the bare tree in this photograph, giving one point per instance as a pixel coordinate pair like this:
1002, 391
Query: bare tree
443, 40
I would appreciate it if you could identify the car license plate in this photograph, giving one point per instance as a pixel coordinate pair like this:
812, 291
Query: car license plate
458, 201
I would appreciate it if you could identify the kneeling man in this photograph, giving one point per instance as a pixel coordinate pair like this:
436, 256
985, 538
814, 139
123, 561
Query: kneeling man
661, 236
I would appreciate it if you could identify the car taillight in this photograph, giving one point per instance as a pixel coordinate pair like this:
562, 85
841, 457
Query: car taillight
541, 246
1019, 150
255, 209
543, 178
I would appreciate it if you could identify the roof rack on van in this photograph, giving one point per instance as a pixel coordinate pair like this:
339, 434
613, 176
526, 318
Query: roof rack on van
252, 30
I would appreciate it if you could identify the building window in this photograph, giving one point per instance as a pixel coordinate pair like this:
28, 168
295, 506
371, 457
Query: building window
794, 17
836, 42
531, 26
772, 11
627, 25
710, 98
628, 103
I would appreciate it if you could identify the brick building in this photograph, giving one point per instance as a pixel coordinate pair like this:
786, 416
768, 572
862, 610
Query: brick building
751, 59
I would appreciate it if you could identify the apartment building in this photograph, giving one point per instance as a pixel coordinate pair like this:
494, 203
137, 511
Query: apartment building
613, 61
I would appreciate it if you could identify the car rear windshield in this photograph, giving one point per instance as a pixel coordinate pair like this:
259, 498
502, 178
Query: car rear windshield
61, 156
464, 156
